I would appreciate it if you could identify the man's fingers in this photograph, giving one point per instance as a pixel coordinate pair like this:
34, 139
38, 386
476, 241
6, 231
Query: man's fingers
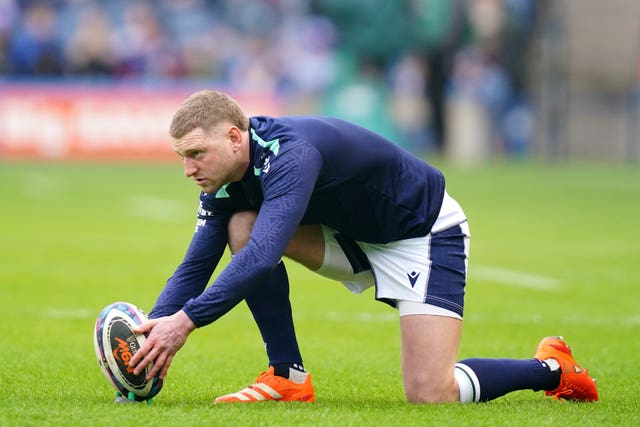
158, 363
161, 365
165, 368
148, 358
142, 351
143, 356
148, 345
145, 327
165, 337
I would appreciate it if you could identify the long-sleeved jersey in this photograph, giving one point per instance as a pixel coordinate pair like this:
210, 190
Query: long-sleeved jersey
303, 170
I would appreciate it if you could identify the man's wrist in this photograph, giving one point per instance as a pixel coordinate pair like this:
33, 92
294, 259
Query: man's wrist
185, 320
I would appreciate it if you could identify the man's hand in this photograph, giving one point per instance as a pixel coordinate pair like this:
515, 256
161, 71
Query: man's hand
166, 336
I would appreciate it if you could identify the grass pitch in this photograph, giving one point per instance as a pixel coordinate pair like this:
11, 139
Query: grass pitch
554, 252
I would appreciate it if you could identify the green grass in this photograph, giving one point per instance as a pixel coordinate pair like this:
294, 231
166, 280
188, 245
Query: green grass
555, 250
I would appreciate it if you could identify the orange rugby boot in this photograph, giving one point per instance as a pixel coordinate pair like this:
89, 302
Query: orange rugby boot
271, 387
575, 382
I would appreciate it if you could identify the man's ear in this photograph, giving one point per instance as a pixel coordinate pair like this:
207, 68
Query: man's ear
235, 136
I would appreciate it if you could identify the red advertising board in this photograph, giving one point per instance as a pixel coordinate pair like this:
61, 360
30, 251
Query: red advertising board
47, 121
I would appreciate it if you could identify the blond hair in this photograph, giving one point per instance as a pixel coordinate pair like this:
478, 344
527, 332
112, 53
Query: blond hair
205, 109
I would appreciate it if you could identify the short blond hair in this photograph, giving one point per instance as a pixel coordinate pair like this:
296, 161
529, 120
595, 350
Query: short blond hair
205, 109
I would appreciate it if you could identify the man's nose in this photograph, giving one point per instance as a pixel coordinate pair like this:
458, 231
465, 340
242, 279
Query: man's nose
189, 167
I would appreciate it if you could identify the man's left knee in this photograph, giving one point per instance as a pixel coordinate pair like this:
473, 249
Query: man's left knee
239, 229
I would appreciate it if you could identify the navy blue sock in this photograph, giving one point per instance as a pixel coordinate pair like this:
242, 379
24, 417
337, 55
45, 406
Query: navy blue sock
497, 377
271, 309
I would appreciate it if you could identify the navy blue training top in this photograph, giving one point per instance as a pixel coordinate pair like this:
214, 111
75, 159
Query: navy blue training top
304, 170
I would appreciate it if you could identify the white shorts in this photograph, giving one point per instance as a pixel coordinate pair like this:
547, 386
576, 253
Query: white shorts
422, 275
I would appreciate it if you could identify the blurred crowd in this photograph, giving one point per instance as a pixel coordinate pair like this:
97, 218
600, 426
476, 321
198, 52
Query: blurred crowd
393, 63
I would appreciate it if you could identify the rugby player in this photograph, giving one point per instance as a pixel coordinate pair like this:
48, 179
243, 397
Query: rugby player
351, 206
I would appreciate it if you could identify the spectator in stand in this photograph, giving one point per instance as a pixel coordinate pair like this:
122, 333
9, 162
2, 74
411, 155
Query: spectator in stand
35, 48
8, 13
144, 48
89, 50
308, 52
441, 28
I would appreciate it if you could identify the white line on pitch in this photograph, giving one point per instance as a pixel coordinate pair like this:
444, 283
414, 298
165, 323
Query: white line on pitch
69, 313
515, 278
152, 207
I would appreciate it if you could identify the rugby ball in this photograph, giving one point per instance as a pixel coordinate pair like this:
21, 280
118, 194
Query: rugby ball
116, 343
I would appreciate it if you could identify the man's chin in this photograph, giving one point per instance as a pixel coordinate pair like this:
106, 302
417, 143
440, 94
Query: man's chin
205, 188
208, 189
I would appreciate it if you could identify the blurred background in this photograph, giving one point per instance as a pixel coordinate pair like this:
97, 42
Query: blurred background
468, 80
530, 107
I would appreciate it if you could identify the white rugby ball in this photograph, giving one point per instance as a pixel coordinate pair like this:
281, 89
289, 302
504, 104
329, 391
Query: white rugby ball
115, 344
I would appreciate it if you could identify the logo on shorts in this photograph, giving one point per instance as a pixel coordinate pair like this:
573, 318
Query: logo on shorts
413, 277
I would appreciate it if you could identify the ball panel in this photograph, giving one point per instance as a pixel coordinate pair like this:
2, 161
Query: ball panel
124, 343
115, 344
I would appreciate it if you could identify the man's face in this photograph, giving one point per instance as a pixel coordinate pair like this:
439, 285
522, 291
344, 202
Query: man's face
209, 157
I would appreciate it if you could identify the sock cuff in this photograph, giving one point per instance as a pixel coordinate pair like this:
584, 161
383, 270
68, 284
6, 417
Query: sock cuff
552, 364
296, 376
292, 371
468, 383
